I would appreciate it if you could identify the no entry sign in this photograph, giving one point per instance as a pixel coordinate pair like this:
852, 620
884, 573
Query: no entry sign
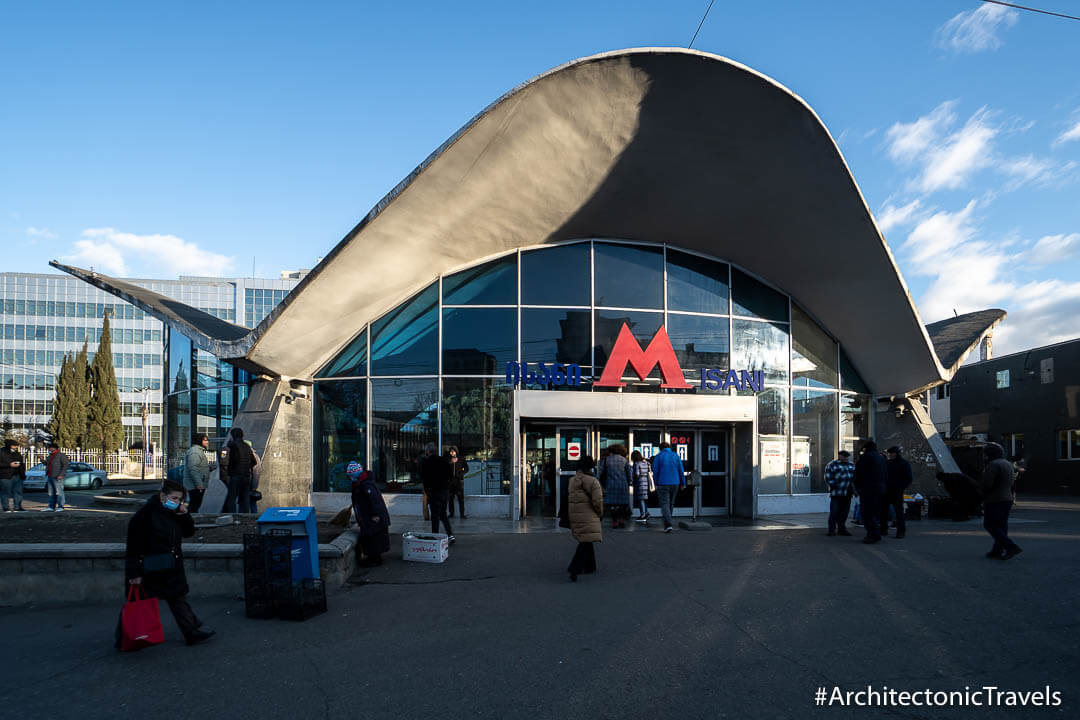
573, 451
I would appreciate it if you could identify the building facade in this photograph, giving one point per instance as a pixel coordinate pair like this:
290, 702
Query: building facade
44, 317
1029, 402
639, 247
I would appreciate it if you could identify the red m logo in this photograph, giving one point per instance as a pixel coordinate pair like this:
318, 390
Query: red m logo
627, 350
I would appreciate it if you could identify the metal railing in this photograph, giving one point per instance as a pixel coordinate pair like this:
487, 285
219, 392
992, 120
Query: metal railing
126, 463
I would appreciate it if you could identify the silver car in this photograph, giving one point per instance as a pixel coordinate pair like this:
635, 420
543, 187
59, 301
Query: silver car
79, 475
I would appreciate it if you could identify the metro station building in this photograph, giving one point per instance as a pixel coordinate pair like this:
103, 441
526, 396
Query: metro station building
636, 247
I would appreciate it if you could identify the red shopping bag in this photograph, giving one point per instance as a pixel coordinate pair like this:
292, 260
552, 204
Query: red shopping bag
140, 621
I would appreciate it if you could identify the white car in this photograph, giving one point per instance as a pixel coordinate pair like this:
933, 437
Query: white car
79, 475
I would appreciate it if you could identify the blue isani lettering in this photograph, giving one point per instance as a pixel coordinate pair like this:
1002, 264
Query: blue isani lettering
751, 380
545, 375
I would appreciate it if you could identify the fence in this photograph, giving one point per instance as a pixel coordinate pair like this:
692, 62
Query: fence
120, 462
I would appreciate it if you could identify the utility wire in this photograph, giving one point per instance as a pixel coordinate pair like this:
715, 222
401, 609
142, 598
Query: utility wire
1031, 9
700, 24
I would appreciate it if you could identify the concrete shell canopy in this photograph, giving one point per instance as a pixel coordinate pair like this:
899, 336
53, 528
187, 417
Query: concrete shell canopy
656, 144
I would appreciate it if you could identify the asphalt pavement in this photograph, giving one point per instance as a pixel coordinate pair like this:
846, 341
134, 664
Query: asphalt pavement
736, 622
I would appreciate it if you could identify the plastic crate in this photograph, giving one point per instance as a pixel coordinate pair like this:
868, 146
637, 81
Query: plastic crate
267, 573
306, 599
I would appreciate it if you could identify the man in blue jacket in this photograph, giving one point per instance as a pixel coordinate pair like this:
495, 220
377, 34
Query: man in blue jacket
669, 477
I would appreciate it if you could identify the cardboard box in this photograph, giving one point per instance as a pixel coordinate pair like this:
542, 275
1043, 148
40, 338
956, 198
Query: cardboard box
425, 547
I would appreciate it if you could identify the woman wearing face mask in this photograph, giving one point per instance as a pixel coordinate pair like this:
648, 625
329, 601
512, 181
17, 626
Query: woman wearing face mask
155, 558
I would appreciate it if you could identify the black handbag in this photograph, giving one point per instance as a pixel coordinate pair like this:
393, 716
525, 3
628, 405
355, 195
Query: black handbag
159, 562
255, 495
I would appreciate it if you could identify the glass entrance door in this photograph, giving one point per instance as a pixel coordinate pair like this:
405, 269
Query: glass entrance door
539, 472
574, 442
714, 471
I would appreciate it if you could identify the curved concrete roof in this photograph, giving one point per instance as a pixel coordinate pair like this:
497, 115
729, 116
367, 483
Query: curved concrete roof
655, 144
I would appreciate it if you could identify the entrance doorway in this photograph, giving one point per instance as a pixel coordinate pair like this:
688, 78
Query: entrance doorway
551, 454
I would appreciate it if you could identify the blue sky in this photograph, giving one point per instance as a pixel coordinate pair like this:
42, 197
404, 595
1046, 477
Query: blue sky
153, 139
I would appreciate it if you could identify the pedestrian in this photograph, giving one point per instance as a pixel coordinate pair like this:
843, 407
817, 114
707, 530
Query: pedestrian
254, 495
196, 472
56, 467
239, 462
12, 475
642, 474
997, 488
616, 479
839, 476
898, 479
670, 478
585, 505
458, 468
372, 517
871, 473
435, 475
155, 557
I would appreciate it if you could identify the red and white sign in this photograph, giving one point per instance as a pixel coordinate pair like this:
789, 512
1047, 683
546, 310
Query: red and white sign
573, 451
627, 351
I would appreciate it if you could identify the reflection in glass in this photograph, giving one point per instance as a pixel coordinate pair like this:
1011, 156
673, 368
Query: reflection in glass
813, 441
179, 362
855, 416
813, 353
404, 417
405, 341
773, 411
849, 378
214, 411
478, 341
477, 418
352, 361
774, 465
553, 335
493, 283
178, 424
699, 342
696, 284
629, 275
557, 275
340, 432
761, 346
754, 299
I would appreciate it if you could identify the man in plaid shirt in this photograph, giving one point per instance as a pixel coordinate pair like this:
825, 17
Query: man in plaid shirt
840, 477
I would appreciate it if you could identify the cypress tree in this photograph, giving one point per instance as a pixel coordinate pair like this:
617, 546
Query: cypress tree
82, 387
59, 426
104, 425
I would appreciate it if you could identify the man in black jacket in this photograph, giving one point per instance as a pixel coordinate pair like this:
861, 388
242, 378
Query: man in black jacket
12, 475
435, 474
899, 479
871, 474
155, 557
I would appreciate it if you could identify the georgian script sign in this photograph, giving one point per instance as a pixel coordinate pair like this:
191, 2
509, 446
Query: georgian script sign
627, 352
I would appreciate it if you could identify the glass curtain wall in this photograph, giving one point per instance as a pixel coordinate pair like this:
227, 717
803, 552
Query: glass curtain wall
203, 396
434, 369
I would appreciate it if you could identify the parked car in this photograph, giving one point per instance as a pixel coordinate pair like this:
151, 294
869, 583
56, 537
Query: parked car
79, 475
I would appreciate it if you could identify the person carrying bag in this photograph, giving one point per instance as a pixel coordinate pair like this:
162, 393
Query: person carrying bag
140, 621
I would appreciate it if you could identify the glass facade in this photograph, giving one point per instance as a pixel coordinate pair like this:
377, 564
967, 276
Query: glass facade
433, 369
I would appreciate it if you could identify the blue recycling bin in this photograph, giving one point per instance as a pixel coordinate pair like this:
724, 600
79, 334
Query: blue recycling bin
305, 537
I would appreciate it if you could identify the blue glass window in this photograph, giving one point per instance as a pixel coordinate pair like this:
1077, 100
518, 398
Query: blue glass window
696, 284
761, 346
557, 275
813, 354
556, 335
340, 432
352, 361
629, 276
493, 283
849, 378
479, 341
754, 299
699, 342
405, 341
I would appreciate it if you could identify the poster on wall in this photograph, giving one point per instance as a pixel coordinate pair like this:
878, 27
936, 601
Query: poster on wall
773, 467
800, 465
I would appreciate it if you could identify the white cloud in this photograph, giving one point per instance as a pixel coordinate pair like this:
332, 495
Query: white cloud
1072, 133
1055, 248
949, 164
121, 253
41, 233
909, 141
976, 30
892, 216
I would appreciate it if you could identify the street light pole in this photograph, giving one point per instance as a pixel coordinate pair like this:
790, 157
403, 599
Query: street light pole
145, 438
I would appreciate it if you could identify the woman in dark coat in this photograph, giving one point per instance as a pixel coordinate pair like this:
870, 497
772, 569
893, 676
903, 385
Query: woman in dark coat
372, 517
155, 557
458, 468
616, 479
